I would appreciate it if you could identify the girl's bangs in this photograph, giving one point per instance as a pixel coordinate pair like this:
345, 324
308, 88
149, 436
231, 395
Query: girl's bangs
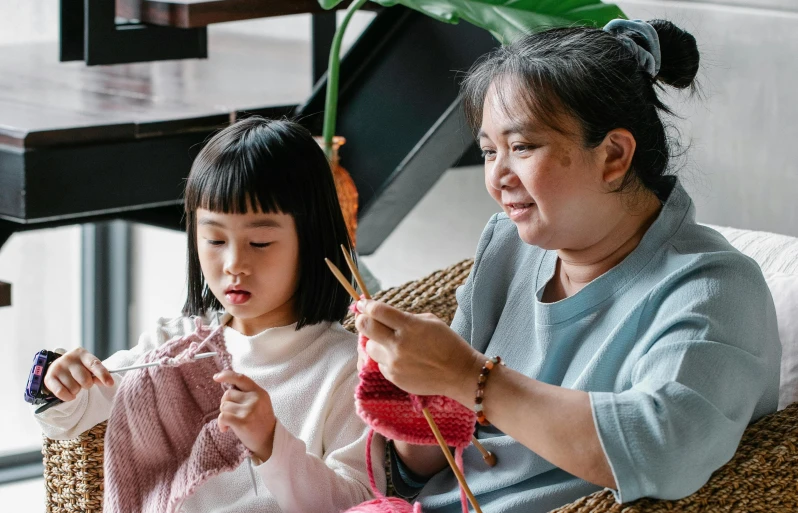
236, 185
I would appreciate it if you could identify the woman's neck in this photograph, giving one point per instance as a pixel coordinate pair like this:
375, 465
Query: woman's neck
576, 268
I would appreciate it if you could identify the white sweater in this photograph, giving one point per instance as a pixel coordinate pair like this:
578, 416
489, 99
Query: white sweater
318, 461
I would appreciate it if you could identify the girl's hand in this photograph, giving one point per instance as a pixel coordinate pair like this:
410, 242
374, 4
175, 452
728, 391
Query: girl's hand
247, 410
74, 371
419, 353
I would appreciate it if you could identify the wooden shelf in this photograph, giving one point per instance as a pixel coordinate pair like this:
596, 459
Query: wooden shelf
79, 140
201, 13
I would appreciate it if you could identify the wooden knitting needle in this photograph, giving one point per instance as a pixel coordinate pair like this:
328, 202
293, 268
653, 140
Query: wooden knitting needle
427, 415
445, 449
348, 286
488, 456
359, 279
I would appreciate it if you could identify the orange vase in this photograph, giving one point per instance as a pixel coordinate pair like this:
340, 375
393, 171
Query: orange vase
344, 186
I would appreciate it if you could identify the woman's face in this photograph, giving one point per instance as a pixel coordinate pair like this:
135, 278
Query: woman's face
547, 182
251, 264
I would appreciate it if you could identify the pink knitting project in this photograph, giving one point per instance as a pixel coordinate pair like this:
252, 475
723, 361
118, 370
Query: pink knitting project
397, 415
162, 440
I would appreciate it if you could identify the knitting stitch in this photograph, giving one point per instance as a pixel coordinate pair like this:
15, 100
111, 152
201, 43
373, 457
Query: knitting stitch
163, 440
396, 414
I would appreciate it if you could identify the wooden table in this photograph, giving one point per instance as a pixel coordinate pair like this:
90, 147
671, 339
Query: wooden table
82, 143
201, 13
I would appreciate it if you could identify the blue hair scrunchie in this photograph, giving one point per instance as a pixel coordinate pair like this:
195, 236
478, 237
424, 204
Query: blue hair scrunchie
650, 60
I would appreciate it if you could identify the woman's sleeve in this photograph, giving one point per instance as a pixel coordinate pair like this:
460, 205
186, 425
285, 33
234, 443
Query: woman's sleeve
92, 406
710, 366
302, 482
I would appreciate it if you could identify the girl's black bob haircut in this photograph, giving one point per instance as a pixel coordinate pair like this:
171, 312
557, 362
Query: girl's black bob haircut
278, 166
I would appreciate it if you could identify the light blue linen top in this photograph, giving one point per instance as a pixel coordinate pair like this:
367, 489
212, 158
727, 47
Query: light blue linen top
677, 346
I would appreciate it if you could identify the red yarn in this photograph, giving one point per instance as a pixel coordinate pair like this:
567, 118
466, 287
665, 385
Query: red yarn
396, 414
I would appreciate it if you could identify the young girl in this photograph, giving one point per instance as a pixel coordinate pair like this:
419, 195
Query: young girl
262, 213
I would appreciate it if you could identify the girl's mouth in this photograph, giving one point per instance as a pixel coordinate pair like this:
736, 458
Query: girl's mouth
237, 297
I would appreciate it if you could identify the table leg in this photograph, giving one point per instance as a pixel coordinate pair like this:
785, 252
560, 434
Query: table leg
5, 294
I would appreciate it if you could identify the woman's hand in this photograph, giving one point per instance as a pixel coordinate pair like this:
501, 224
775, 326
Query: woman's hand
247, 410
76, 370
419, 353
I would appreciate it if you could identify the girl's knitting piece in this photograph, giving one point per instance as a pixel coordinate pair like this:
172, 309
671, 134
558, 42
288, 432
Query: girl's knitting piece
162, 439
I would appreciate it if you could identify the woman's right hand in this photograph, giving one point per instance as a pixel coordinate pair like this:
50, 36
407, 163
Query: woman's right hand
74, 371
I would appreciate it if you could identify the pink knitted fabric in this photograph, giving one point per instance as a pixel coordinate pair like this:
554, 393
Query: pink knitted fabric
162, 440
395, 414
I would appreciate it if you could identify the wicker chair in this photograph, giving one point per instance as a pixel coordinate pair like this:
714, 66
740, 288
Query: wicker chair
762, 476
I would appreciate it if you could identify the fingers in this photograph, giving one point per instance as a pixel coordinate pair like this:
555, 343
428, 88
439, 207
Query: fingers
373, 329
97, 369
65, 392
389, 316
74, 371
235, 396
236, 379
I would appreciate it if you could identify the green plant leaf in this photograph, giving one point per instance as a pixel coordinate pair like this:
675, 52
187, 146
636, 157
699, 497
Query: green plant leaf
509, 19
329, 4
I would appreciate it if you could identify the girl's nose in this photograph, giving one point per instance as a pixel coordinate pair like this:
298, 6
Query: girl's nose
500, 176
234, 263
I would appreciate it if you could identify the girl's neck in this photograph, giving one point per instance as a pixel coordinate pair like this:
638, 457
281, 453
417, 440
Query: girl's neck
284, 315
575, 269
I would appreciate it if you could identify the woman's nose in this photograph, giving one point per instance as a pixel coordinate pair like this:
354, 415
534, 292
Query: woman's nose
500, 176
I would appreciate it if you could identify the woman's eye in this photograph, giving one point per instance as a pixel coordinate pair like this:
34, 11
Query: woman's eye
260, 244
488, 154
521, 147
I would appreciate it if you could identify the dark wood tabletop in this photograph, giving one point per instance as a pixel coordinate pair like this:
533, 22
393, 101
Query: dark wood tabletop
81, 141
44, 102
201, 13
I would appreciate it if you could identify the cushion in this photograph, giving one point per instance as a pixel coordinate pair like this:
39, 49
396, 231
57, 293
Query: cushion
784, 288
777, 255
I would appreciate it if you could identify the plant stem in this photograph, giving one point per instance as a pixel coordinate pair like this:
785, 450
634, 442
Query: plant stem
333, 72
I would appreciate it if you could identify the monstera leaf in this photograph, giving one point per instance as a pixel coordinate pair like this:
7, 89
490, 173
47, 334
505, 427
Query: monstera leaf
505, 19
508, 19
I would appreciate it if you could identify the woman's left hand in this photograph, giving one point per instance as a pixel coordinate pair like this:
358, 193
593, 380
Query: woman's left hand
419, 353
247, 410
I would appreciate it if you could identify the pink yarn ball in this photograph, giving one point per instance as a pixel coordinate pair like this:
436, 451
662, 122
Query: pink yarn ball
386, 505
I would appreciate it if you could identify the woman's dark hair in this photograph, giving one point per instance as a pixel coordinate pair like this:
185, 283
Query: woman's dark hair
588, 74
276, 165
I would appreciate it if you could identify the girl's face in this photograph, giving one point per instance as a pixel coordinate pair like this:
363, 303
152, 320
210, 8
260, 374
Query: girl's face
251, 264
547, 182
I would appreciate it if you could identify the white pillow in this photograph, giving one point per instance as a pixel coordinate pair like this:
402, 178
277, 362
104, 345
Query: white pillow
784, 288
777, 255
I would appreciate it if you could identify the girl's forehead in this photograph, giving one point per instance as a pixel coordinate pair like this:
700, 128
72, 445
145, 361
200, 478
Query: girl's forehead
249, 219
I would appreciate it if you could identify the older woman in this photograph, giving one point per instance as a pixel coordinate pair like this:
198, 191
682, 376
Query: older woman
637, 344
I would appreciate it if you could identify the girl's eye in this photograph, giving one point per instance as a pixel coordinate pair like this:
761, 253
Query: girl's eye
215, 242
260, 244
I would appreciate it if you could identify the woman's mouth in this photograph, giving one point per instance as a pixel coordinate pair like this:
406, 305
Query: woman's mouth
518, 210
237, 296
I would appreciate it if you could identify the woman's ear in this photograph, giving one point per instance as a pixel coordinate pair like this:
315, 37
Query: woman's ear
619, 148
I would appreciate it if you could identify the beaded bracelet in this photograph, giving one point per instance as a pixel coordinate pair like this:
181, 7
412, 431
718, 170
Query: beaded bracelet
483, 378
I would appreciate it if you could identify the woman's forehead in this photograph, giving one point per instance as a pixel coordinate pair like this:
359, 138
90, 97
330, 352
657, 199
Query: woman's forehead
514, 108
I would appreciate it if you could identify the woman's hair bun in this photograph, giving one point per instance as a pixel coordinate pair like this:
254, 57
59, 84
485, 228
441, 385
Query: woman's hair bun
679, 54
